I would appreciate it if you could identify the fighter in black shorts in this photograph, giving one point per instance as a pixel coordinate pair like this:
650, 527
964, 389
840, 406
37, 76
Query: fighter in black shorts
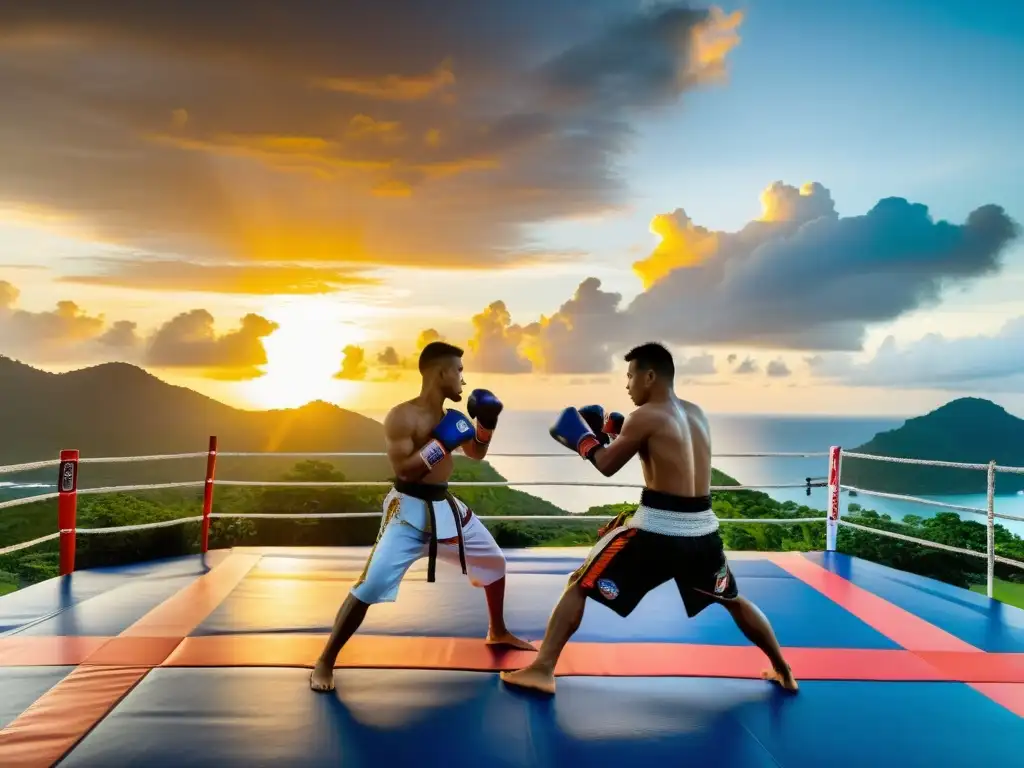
672, 534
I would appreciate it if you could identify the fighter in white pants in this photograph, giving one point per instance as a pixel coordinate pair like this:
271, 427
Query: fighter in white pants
421, 517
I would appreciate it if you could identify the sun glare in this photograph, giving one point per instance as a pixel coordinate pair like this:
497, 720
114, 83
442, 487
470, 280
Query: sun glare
303, 355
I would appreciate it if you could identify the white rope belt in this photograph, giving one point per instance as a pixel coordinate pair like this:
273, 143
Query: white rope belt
674, 523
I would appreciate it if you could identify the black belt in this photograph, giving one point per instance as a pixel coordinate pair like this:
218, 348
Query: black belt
431, 493
670, 502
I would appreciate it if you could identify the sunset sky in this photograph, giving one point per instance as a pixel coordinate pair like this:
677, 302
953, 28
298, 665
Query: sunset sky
814, 203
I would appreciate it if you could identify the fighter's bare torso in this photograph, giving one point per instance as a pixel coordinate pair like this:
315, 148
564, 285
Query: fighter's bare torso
676, 454
408, 427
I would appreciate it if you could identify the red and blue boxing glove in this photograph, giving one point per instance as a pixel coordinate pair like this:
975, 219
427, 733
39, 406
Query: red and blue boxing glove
572, 431
452, 431
485, 407
613, 424
604, 427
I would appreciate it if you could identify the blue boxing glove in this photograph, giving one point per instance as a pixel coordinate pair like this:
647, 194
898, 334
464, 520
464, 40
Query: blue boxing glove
452, 431
485, 408
572, 431
594, 416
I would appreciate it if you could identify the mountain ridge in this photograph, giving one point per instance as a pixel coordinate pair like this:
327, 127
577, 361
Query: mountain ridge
971, 430
120, 409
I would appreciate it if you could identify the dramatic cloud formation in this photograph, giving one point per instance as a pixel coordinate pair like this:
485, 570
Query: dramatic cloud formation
218, 135
800, 277
188, 341
51, 335
982, 363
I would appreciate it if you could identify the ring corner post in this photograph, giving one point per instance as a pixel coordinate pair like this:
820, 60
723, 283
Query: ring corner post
990, 525
835, 456
211, 466
67, 506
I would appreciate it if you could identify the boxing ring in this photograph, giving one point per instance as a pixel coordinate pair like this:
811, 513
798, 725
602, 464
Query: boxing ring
204, 659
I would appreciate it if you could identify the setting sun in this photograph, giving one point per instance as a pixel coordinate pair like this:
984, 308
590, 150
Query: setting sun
303, 355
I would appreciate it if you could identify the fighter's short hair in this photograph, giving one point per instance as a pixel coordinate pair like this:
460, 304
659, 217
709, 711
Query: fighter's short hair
436, 351
653, 357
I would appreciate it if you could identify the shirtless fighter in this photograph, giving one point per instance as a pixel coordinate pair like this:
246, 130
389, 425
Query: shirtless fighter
421, 517
673, 534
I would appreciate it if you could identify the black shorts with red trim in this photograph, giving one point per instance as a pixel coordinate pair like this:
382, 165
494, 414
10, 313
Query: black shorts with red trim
628, 563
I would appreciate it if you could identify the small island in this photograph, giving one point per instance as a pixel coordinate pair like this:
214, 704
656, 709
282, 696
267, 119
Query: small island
969, 429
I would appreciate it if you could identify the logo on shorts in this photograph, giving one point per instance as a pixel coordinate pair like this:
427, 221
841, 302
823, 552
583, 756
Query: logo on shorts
722, 580
608, 588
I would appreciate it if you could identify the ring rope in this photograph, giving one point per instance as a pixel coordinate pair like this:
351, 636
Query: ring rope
27, 500
916, 499
33, 465
489, 484
27, 544
928, 542
929, 502
340, 515
10, 469
1010, 470
927, 462
559, 455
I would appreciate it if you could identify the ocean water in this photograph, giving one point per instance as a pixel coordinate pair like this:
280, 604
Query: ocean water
527, 432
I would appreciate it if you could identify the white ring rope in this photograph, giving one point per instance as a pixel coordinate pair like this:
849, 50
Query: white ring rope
927, 462
36, 465
369, 483
927, 542
27, 544
929, 502
33, 465
154, 457
484, 484
10, 469
27, 500
915, 499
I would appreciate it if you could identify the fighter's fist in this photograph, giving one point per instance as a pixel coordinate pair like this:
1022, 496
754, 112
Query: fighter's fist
484, 407
572, 431
594, 416
452, 431
613, 424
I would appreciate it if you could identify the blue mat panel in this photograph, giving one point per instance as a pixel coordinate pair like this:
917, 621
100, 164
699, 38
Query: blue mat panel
120, 592
244, 717
304, 595
986, 624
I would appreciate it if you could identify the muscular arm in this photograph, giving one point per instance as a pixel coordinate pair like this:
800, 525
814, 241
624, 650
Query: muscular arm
613, 457
402, 452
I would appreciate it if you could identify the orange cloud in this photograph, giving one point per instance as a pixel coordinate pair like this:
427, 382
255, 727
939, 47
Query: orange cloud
209, 141
682, 245
394, 87
265, 280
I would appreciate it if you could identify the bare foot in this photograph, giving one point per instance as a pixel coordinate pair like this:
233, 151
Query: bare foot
534, 679
782, 677
506, 638
321, 679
